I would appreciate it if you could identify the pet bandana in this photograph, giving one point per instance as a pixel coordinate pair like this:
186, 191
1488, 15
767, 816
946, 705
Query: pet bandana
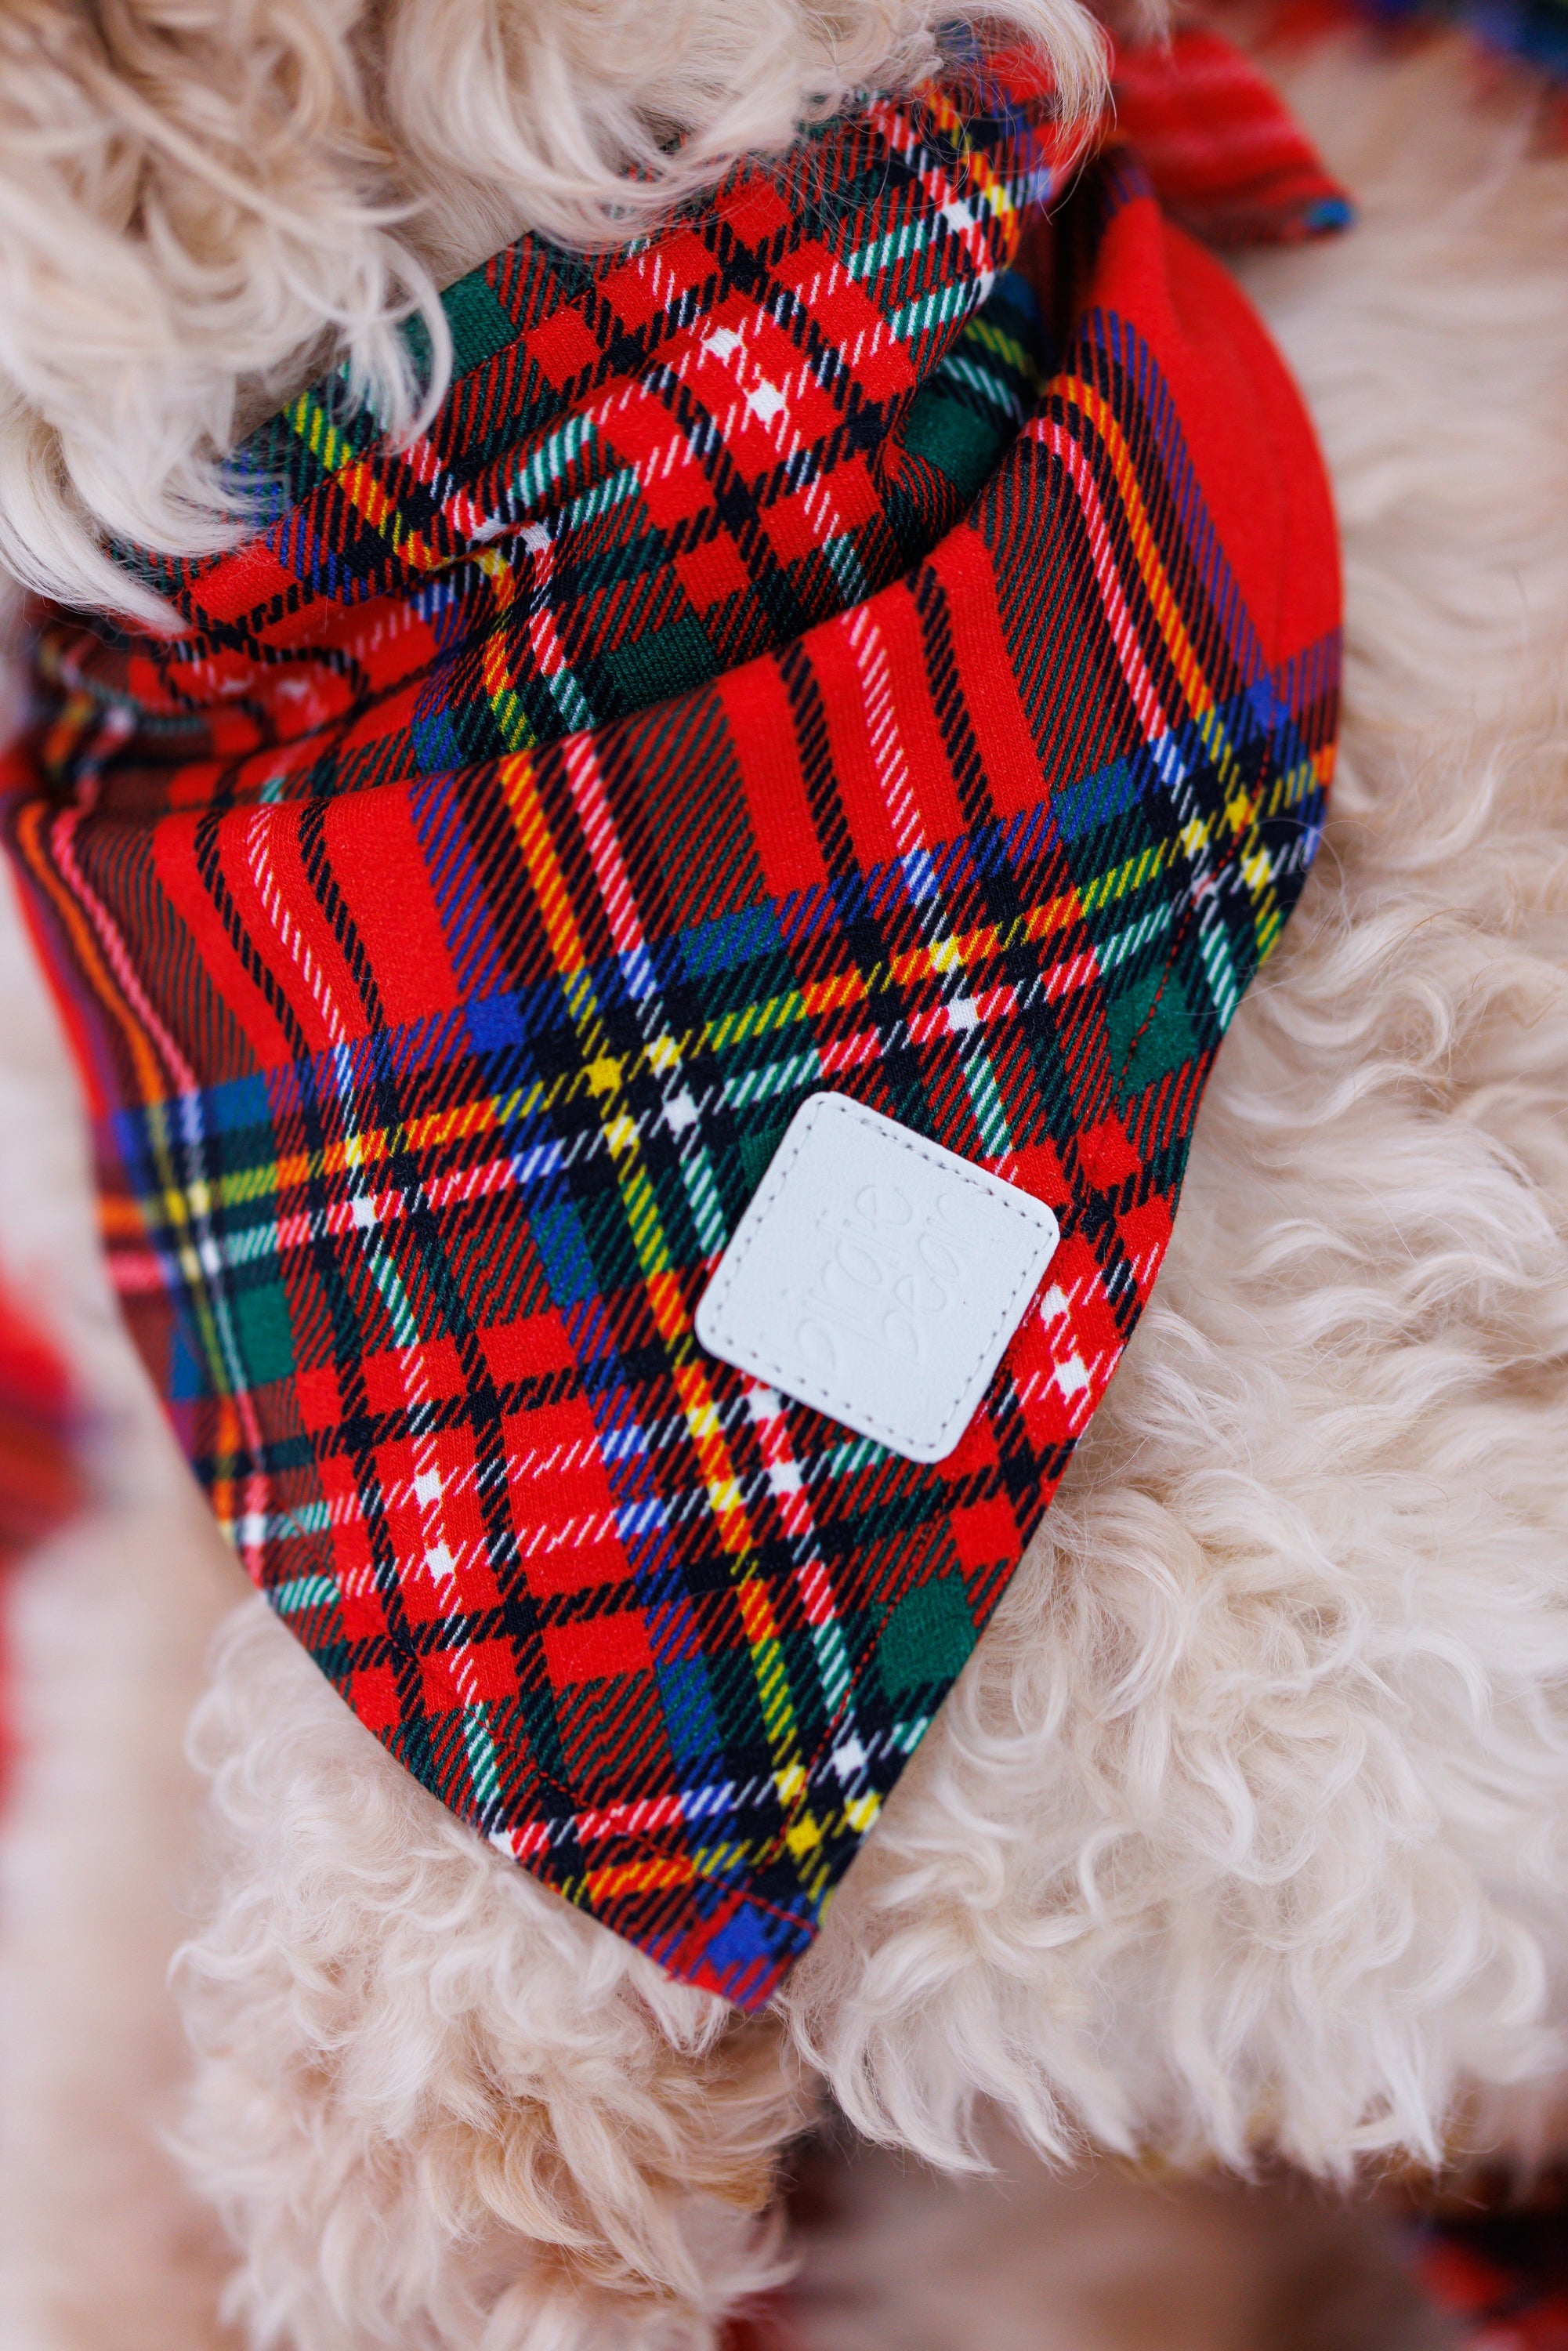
875, 638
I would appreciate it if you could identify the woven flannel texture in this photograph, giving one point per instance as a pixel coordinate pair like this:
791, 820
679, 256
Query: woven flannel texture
653, 466
1234, 172
862, 638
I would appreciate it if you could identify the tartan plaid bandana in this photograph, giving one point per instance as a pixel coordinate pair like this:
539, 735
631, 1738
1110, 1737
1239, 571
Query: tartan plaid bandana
869, 636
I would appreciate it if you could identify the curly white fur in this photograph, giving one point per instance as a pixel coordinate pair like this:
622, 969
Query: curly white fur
1248, 1825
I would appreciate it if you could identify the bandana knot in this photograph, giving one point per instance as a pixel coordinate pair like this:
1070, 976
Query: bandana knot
878, 636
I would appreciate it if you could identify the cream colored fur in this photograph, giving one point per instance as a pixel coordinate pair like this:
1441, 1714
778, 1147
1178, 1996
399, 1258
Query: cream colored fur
1248, 1825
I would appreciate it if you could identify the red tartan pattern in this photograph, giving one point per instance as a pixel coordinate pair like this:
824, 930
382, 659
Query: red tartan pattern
435, 1067
1230, 169
653, 465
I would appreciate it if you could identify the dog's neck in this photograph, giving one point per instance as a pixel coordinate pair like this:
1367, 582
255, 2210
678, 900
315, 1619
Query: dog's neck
447, 239
196, 220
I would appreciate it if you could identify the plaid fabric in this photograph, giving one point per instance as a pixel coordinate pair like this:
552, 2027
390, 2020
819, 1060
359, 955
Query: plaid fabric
862, 637
1231, 170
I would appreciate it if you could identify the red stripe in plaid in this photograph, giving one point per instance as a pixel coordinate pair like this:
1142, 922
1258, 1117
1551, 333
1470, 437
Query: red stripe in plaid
1226, 163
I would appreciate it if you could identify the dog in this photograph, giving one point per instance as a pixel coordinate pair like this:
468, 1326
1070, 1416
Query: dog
1242, 1832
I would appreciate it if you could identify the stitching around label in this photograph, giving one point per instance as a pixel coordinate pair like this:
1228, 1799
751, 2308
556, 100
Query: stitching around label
933, 1155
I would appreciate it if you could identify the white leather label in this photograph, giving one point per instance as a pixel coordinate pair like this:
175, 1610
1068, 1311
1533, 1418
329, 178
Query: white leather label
876, 1278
